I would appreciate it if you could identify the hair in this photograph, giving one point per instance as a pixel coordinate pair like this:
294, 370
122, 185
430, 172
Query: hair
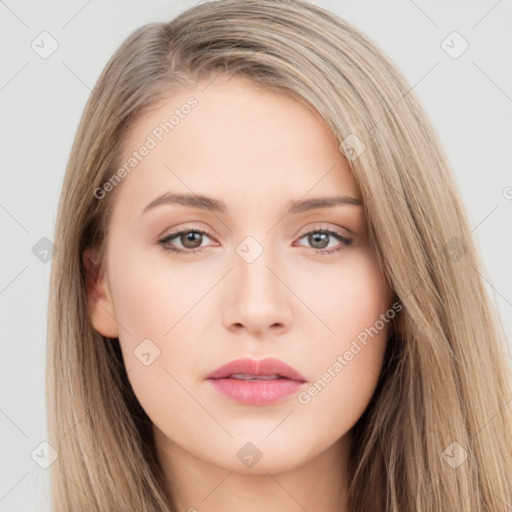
445, 378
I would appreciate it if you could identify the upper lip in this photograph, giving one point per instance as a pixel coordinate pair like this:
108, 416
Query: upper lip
267, 366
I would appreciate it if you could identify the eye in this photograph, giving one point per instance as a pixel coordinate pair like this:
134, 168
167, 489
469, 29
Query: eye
190, 240
321, 238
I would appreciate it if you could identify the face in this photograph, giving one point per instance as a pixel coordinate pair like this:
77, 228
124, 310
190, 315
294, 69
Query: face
242, 264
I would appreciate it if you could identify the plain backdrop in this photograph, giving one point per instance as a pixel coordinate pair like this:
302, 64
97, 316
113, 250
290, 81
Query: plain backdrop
469, 99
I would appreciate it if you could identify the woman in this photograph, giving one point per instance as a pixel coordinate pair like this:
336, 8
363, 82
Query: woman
266, 294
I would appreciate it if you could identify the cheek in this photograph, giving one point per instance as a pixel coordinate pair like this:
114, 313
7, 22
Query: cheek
152, 299
348, 358
350, 298
159, 339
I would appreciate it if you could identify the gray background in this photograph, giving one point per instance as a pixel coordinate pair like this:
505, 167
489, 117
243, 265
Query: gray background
469, 100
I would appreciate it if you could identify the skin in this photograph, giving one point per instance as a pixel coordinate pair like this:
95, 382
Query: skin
257, 151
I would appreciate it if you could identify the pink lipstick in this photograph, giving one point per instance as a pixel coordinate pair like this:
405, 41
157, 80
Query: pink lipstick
256, 382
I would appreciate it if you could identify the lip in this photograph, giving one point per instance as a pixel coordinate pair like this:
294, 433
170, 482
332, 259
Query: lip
256, 392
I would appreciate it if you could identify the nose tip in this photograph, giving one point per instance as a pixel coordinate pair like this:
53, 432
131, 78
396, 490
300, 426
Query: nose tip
257, 329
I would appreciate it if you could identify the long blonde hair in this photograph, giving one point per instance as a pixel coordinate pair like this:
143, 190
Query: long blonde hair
444, 390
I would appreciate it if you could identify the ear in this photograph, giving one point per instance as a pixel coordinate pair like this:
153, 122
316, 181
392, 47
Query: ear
100, 304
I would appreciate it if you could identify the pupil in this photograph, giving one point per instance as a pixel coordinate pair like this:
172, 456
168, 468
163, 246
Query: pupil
322, 238
191, 240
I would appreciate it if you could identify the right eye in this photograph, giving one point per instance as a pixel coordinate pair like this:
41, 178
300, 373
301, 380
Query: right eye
190, 240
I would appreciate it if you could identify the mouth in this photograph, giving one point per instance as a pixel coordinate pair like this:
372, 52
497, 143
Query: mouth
245, 376
261, 369
256, 382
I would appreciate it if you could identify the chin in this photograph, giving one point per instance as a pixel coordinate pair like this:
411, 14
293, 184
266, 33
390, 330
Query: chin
261, 456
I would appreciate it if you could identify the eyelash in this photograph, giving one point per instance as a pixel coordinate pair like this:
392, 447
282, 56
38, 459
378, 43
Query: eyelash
324, 252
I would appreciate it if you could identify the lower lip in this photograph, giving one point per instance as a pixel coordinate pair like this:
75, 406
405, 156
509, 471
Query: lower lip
256, 392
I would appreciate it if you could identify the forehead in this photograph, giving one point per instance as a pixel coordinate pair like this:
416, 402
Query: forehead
228, 137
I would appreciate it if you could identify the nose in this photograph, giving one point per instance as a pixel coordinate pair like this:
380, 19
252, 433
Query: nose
258, 298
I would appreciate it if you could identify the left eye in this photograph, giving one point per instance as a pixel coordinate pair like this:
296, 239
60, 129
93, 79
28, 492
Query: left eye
319, 240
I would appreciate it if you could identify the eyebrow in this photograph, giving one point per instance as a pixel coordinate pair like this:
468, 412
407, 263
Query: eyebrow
218, 206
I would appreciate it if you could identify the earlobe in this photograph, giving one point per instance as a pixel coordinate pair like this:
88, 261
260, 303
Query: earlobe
101, 309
